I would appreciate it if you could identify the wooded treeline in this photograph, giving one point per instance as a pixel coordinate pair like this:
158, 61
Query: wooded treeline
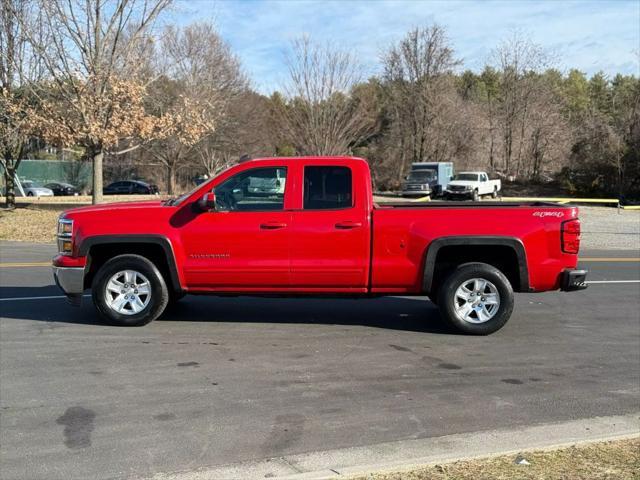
107, 80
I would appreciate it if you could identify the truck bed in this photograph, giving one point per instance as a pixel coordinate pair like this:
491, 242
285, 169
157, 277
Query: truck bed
465, 204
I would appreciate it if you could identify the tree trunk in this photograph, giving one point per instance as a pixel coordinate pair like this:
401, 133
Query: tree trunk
171, 179
98, 155
9, 181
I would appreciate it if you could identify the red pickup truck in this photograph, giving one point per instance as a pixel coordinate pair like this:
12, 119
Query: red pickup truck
309, 226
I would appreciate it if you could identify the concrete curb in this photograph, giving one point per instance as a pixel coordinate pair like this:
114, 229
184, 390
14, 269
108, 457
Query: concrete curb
410, 454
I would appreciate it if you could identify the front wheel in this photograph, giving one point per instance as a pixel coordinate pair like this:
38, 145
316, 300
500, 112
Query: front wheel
129, 290
476, 299
475, 196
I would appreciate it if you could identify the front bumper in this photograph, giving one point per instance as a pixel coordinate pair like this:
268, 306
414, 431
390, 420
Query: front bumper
71, 282
414, 192
458, 193
572, 280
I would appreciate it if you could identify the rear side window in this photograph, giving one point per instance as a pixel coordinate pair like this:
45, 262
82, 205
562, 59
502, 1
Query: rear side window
327, 188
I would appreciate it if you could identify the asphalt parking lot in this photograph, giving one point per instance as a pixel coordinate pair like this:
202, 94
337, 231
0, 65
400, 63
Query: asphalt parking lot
226, 380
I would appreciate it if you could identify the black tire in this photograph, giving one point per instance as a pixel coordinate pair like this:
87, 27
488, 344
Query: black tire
158, 288
447, 298
29, 194
494, 194
475, 196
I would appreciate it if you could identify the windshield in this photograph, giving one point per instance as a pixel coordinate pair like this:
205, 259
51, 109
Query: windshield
421, 175
30, 185
473, 177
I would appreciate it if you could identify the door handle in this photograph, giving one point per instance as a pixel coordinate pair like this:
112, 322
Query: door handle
272, 225
348, 225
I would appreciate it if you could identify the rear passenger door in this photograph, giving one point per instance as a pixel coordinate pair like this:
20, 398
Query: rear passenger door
330, 236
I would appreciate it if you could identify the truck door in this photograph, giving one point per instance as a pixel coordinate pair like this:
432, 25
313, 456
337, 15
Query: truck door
485, 187
330, 238
243, 244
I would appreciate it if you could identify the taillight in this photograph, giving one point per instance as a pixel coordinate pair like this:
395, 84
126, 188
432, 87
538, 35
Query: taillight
570, 236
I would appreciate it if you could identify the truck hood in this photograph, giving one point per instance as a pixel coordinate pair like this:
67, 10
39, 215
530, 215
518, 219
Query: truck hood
462, 183
147, 204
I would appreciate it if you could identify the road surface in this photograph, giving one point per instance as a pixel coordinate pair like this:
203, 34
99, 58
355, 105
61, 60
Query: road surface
227, 380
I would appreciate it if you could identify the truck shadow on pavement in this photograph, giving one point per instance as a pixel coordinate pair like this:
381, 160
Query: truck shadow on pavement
415, 314
396, 313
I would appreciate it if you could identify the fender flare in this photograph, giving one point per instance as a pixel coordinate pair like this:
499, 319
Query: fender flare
434, 247
163, 241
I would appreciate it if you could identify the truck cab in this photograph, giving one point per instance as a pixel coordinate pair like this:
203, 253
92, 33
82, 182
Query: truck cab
472, 185
427, 179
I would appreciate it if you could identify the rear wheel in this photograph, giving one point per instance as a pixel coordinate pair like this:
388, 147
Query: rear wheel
494, 194
476, 299
129, 290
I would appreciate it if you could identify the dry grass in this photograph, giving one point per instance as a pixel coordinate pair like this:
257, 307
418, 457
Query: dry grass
29, 225
619, 460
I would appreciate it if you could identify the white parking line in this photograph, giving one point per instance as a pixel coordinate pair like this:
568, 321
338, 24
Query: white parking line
613, 281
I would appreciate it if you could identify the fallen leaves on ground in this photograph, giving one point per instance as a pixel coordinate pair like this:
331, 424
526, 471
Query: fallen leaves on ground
619, 460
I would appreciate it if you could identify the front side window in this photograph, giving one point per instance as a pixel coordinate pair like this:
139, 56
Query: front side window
327, 188
258, 189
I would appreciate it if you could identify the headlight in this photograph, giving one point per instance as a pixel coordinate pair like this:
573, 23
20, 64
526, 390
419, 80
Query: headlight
65, 236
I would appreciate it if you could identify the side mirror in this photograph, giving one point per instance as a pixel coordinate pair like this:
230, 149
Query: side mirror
207, 202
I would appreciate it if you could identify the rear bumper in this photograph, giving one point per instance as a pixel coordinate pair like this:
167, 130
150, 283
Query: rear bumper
572, 280
71, 282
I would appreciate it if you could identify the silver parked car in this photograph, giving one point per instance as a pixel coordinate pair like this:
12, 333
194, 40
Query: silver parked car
32, 189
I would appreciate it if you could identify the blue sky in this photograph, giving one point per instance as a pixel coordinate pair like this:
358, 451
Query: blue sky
588, 35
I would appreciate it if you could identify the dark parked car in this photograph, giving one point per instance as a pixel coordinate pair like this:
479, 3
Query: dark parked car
60, 189
128, 187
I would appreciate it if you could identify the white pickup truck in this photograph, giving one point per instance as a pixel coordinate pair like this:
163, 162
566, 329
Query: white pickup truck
472, 185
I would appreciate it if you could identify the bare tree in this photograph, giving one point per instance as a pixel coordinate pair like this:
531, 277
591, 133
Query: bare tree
246, 130
198, 79
518, 61
18, 66
319, 115
89, 44
548, 136
416, 75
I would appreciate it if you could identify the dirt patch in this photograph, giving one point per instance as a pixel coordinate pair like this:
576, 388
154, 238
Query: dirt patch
533, 190
618, 460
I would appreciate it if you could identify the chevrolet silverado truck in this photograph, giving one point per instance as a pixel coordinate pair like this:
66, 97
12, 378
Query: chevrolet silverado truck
472, 185
318, 233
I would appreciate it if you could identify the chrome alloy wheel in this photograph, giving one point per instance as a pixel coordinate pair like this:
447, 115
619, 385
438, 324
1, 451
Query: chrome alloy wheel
128, 292
476, 300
